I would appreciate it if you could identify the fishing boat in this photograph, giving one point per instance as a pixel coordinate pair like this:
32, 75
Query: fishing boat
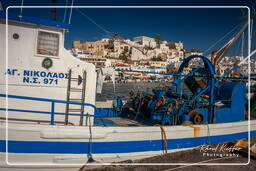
48, 112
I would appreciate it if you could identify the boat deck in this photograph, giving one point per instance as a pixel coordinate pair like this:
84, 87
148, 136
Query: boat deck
122, 121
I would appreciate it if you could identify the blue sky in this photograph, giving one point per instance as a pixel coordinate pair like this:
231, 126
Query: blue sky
196, 28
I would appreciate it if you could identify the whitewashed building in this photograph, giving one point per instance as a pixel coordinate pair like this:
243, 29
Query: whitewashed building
193, 53
81, 54
145, 41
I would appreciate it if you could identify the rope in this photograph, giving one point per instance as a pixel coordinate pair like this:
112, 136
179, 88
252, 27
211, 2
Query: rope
204, 161
208, 134
163, 134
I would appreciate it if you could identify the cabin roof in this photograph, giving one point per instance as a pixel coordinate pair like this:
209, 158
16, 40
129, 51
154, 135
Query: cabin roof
34, 20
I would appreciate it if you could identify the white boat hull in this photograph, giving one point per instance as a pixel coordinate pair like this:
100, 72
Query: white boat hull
67, 146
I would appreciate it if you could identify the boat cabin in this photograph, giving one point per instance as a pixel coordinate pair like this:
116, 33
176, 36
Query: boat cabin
35, 64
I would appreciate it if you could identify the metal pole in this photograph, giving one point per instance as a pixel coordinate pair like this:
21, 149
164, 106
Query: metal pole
21, 9
68, 96
52, 114
83, 99
212, 99
65, 13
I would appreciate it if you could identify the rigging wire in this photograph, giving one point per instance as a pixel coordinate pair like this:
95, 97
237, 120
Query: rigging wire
239, 64
251, 29
69, 20
111, 34
94, 22
242, 46
239, 43
243, 51
221, 38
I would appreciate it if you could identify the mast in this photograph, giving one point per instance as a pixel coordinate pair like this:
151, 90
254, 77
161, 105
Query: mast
54, 17
1, 6
21, 9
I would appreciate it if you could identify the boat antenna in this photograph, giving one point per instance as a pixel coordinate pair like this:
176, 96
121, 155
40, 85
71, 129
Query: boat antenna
65, 13
69, 20
21, 9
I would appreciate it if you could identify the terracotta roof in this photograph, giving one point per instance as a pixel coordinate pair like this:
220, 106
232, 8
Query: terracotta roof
122, 65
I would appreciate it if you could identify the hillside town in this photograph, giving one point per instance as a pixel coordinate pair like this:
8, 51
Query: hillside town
145, 54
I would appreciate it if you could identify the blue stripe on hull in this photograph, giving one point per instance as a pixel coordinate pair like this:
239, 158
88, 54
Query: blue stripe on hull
114, 147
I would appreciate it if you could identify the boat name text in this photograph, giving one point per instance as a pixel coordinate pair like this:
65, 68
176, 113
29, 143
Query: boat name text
38, 77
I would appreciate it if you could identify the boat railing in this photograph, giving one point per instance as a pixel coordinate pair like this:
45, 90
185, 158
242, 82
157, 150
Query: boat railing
52, 112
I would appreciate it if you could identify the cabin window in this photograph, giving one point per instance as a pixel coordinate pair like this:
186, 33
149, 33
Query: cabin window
48, 43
